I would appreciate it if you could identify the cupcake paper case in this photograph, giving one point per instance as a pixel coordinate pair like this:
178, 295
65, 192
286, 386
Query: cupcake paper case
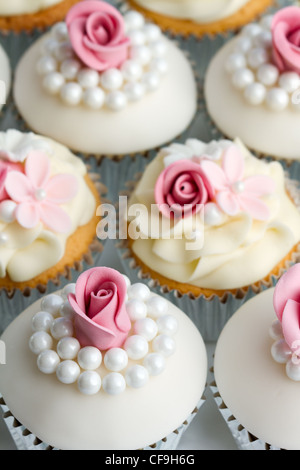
256, 369
252, 85
201, 17
48, 216
147, 342
129, 85
207, 261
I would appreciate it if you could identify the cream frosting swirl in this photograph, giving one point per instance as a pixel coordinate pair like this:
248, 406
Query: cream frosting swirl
23, 7
237, 250
199, 11
26, 253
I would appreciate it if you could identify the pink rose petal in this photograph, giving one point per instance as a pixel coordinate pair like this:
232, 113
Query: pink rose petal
288, 287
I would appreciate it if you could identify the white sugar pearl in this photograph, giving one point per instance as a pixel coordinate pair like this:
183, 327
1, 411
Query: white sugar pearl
146, 327
7, 211
134, 91
263, 39
277, 99
89, 358
268, 74
48, 361
289, 81
281, 352
41, 321
155, 363
157, 306
137, 37
131, 70
60, 31
116, 359
251, 30
159, 65
71, 93
113, 383
234, 62
167, 325
53, 82
243, 45
133, 20
152, 32
40, 341
139, 291
275, 330
266, 21
293, 371
4, 238
141, 54
64, 51
68, 348
212, 214
241, 78
158, 49
255, 93
89, 382
136, 309
66, 310
49, 46
164, 345
68, 289
94, 98
151, 81
88, 78
68, 372
70, 68
136, 347
111, 79
45, 65
257, 56
116, 100
62, 327
51, 303
137, 376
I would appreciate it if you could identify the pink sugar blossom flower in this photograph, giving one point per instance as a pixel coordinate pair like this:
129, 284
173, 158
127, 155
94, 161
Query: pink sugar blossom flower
39, 195
234, 193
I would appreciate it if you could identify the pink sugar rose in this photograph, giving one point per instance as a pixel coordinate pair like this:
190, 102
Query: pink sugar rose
181, 189
97, 34
286, 39
5, 168
101, 319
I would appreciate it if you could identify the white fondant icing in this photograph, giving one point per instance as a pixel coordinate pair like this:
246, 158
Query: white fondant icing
162, 405
22, 7
253, 386
140, 127
260, 128
5, 75
29, 252
199, 11
236, 253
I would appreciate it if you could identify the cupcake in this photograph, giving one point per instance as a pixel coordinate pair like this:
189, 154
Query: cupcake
24, 15
257, 369
5, 77
252, 86
201, 17
47, 215
210, 222
81, 86
87, 358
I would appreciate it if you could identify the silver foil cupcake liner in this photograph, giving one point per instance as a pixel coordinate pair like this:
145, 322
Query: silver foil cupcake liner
25, 440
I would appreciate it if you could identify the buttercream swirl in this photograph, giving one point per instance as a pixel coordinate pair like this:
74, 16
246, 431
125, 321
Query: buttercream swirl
238, 249
27, 252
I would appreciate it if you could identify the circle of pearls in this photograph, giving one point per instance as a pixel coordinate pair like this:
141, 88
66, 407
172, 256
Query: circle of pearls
64, 75
255, 76
144, 353
283, 354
